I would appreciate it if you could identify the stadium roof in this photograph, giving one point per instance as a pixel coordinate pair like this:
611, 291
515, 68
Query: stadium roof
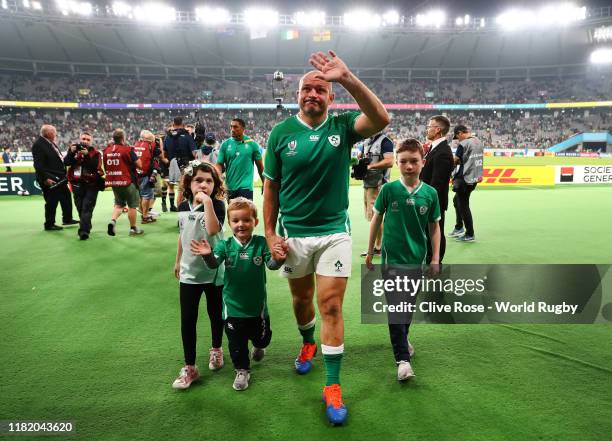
57, 44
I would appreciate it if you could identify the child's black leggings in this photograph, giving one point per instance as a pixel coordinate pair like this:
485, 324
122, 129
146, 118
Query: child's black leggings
190, 301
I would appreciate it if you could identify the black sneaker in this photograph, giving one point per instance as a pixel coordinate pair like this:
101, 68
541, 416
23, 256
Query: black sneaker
111, 228
53, 228
71, 222
164, 207
83, 235
172, 208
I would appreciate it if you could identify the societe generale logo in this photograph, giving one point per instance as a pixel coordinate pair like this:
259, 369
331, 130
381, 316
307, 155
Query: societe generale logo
502, 175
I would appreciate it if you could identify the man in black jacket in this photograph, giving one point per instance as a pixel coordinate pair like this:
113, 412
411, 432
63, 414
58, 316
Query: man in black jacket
51, 175
437, 170
179, 148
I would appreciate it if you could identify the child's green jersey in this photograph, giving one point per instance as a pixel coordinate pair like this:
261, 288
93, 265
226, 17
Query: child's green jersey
244, 290
407, 215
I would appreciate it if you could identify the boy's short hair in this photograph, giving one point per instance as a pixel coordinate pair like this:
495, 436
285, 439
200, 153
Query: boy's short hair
410, 145
240, 203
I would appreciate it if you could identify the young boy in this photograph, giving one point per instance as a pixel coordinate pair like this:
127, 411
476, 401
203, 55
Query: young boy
244, 294
409, 207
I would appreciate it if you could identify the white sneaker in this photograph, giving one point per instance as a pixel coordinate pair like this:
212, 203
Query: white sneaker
257, 354
153, 214
404, 371
241, 382
215, 361
188, 375
410, 350
135, 231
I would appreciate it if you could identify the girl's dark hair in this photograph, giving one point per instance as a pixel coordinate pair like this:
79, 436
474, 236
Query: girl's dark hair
218, 190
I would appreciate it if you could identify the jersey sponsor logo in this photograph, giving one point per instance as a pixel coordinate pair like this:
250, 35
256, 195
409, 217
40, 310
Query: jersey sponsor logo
394, 206
409, 201
338, 266
292, 146
287, 269
423, 209
334, 140
244, 255
314, 138
229, 262
257, 260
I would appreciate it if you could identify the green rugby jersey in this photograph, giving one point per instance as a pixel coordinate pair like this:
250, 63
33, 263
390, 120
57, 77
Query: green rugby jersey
407, 215
244, 291
238, 158
311, 164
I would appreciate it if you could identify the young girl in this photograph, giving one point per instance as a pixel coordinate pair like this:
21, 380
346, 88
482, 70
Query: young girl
201, 216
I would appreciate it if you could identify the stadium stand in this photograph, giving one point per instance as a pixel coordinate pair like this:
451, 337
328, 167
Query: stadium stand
498, 129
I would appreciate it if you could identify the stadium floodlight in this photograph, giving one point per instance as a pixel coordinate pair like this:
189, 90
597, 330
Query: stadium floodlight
260, 18
4, 4
74, 7
391, 18
36, 6
601, 56
550, 15
26, 4
155, 12
121, 9
362, 19
459, 21
482, 22
213, 16
309, 19
603, 33
435, 18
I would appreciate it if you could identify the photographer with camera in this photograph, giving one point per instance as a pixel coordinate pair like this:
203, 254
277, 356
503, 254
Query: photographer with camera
147, 175
120, 163
375, 162
209, 150
85, 173
179, 147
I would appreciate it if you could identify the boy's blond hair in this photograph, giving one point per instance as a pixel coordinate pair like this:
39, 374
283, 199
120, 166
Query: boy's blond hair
240, 203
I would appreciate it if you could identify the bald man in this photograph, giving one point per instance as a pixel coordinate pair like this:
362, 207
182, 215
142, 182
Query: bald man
51, 175
306, 191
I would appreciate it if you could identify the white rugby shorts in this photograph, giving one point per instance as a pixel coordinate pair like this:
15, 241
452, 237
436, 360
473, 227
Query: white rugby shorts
329, 255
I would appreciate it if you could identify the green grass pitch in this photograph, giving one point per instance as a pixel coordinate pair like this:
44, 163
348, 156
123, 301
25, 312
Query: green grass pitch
90, 333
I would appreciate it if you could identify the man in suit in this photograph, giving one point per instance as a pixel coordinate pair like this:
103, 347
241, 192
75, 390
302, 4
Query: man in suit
51, 175
437, 170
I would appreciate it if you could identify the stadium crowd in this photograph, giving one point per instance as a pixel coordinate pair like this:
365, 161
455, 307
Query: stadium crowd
497, 129
131, 90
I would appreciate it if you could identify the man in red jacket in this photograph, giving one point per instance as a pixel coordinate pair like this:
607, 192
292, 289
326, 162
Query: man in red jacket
144, 149
84, 163
120, 163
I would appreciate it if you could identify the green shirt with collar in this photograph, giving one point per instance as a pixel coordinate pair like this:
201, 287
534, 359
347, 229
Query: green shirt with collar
244, 289
407, 215
312, 164
238, 157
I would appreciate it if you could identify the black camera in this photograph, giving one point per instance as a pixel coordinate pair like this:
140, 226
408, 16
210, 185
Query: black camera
80, 146
360, 170
199, 131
